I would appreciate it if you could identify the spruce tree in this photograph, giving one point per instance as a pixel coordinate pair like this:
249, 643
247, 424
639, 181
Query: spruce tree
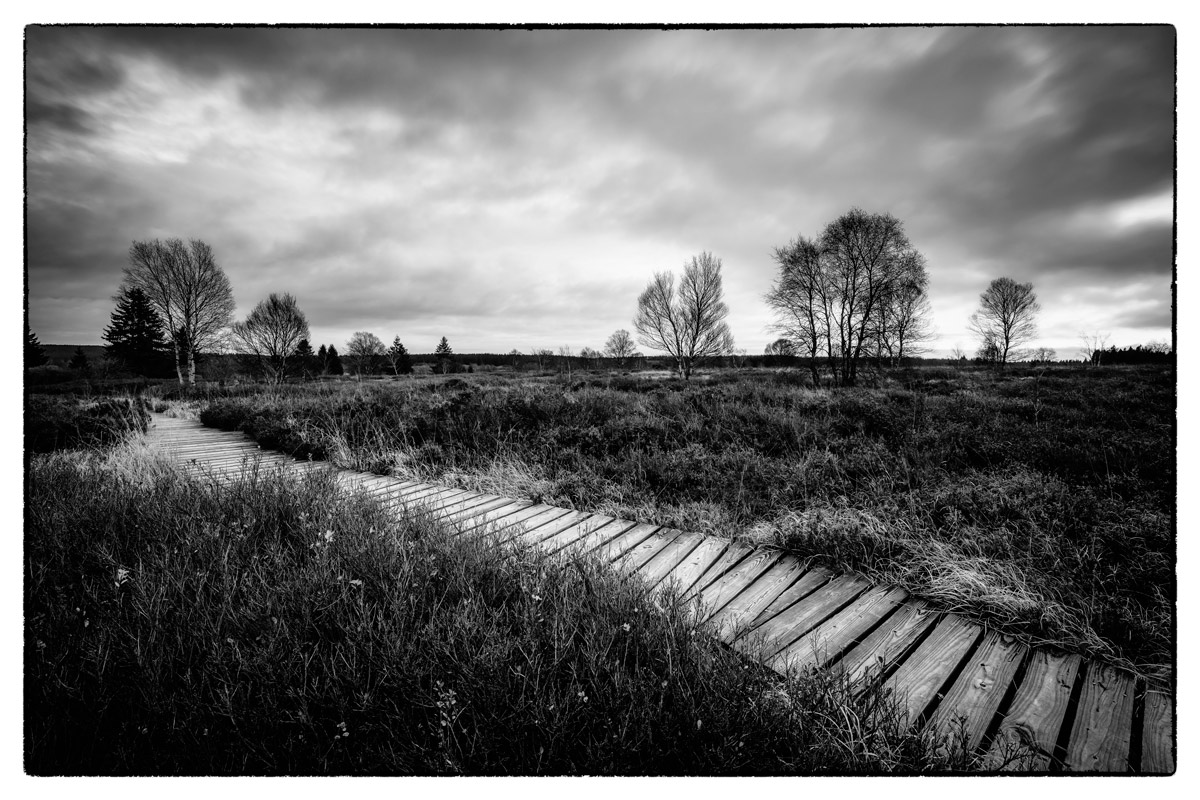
335, 362
305, 360
445, 356
323, 360
35, 356
135, 334
398, 357
79, 361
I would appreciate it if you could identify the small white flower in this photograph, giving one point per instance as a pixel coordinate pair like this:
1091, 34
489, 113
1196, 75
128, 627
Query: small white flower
625, 627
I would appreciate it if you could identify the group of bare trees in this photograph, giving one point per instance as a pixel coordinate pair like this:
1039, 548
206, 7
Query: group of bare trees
856, 292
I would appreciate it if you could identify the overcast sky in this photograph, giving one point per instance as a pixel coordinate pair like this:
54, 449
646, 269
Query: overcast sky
517, 189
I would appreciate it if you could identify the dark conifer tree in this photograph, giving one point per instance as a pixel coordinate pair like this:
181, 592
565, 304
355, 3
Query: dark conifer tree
35, 356
135, 335
79, 361
335, 361
445, 356
305, 359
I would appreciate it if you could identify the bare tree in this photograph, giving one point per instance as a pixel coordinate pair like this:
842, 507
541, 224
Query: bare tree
800, 303
958, 353
1043, 355
1093, 347
542, 355
365, 352
189, 291
564, 359
619, 346
780, 347
689, 324
1006, 316
855, 292
271, 333
591, 358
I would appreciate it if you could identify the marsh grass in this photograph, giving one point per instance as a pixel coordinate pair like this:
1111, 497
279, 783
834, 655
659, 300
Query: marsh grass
1037, 500
178, 627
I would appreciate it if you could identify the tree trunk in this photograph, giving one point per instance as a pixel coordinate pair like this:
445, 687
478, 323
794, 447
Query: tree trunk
191, 367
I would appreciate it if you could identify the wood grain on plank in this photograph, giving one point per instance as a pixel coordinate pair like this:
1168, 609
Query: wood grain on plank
1103, 725
716, 594
635, 557
680, 577
1158, 738
463, 516
733, 555
827, 640
1028, 731
498, 519
971, 703
777, 632
670, 556
739, 612
595, 524
917, 680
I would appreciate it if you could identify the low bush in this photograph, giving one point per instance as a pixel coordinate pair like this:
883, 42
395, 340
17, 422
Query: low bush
53, 423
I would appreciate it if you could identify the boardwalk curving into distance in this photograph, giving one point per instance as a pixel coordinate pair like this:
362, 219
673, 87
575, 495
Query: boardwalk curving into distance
987, 690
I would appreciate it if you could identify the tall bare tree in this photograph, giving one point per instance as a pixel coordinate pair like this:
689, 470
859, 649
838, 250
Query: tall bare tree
1006, 317
190, 292
271, 333
365, 352
688, 324
855, 292
619, 346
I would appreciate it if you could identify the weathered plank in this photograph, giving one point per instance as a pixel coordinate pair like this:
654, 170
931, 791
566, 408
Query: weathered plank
917, 680
682, 575
729, 621
1158, 752
827, 640
593, 524
617, 531
613, 547
669, 557
716, 594
785, 627
464, 515
971, 703
1028, 732
496, 523
733, 555
511, 526
1103, 725
652, 545
535, 535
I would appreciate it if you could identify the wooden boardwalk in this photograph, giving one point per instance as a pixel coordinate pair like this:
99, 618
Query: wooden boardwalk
985, 688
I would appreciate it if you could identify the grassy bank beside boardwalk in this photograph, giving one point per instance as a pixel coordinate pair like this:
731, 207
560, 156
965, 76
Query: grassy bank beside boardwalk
1039, 500
176, 627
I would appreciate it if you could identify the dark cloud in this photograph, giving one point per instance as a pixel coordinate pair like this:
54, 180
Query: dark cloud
491, 179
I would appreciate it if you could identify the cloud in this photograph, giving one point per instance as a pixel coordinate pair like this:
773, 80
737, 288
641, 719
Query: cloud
524, 185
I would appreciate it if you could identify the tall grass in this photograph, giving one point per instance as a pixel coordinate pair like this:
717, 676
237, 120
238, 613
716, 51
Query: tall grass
1037, 500
177, 627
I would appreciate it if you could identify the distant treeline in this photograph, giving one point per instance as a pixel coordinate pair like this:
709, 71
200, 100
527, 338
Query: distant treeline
1133, 355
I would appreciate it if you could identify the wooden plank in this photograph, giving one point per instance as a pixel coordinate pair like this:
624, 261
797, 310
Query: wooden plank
1103, 722
917, 680
535, 535
466, 516
1158, 752
590, 539
683, 575
967, 709
493, 522
793, 593
733, 555
874, 655
457, 502
827, 640
1035, 716
612, 546
635, 557
716, 594
595, 524
728, 622
772, 635
669, 557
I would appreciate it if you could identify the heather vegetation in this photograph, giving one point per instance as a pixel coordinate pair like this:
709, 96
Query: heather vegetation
1039, 500
281, 627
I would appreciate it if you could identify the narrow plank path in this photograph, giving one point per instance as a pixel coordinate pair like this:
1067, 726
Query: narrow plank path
987, 692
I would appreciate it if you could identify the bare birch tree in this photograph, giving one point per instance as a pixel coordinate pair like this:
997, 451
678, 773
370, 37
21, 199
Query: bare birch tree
688, 324
271, 333
1006, 317
189, 290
